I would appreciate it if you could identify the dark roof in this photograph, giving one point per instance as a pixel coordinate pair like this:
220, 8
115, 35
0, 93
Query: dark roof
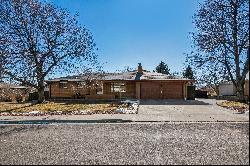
120, 76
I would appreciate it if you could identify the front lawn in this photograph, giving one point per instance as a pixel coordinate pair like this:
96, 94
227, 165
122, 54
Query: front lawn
10, 108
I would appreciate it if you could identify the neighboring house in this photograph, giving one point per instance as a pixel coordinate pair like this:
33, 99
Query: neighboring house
11, 92
139, 84
228, 89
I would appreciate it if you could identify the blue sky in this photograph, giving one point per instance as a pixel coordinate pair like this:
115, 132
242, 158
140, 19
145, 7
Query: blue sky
131, 31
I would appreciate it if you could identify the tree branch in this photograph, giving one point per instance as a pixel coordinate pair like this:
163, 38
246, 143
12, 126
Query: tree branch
19, 79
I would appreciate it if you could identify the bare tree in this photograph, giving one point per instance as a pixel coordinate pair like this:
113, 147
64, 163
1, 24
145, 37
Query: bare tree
38, 39
209, 74
223, 37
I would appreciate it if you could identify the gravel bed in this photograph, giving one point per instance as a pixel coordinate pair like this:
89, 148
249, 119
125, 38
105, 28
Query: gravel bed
145, 143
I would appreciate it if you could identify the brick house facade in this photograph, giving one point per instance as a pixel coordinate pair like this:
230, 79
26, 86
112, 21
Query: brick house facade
139, 84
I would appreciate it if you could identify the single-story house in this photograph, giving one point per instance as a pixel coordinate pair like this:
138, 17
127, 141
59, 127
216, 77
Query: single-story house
138, 84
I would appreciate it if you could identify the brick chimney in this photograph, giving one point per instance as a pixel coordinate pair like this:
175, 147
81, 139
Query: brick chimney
139, 69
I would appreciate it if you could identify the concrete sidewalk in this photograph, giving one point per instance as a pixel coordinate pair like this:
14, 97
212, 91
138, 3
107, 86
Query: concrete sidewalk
204, 110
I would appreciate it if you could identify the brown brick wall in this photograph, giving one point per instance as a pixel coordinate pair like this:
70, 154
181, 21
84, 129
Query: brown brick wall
148, 90
71, 90
68, 92
130, 90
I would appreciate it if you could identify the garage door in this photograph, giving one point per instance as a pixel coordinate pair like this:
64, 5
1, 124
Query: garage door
150, 90
170, 90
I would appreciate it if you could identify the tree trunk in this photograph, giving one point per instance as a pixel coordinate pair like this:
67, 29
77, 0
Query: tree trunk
40, 80
40, 89
41, 97
217, 91
240, 92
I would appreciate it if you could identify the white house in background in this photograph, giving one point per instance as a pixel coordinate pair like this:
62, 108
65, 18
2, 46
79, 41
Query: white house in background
228, 89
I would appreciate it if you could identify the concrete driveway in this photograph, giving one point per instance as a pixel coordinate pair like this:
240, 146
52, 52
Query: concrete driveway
190, 110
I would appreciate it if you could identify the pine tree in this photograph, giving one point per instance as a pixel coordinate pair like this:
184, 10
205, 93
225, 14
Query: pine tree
162, 68
188, 73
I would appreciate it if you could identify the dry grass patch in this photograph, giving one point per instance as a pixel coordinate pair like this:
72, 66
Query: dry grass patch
53, 107
233, 105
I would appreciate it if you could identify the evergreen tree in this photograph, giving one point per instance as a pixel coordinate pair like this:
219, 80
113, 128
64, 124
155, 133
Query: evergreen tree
162, 68
188, 73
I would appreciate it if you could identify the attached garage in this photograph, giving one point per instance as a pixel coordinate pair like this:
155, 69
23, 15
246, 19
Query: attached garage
162, 90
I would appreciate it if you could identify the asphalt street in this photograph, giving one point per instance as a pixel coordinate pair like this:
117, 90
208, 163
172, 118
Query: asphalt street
130, 143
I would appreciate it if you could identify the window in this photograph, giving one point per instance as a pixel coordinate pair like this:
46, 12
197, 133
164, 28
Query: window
81, 84
63, 85
46, 87
118, 87
99, 90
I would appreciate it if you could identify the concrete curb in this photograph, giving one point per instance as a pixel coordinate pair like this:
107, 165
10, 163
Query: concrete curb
105, 121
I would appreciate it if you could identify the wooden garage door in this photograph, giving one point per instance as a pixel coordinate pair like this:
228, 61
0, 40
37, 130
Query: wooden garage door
150, 90
167, 90
172, 90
